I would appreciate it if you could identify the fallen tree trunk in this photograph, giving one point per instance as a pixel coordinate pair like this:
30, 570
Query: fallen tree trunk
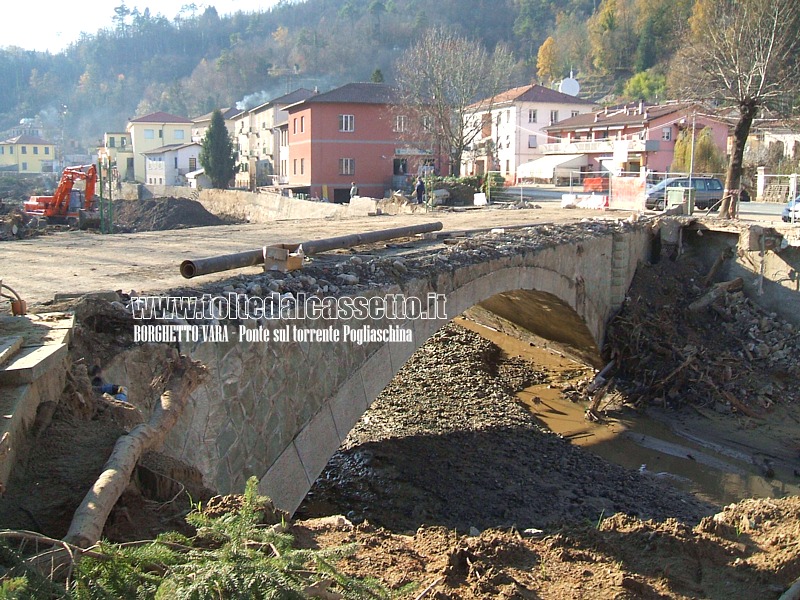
717, 291
90, 518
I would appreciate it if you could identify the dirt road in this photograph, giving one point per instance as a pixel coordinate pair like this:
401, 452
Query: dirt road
80, 262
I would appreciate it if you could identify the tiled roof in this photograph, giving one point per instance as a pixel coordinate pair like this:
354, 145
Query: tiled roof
28, 139
538, 93
170, 147
358, 93
626, 115
161, 117
297, 95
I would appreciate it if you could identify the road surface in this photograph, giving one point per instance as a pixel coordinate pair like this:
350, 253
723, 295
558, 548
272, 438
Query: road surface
73, 262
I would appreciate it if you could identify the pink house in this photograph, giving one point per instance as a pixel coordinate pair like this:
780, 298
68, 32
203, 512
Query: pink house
627, 138
352, 134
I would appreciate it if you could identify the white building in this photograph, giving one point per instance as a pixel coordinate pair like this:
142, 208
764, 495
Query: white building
169, 165
511, 129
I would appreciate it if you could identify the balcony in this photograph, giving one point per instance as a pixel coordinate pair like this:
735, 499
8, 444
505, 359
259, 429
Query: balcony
599, 146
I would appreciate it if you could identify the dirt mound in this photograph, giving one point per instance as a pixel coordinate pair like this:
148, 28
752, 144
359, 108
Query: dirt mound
747, 551
162, 213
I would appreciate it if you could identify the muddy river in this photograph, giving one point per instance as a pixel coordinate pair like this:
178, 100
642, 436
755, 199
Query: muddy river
706, 454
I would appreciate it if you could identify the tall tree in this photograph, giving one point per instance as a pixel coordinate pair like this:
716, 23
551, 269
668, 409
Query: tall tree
744, 54
445, 80
217, 156
547, 67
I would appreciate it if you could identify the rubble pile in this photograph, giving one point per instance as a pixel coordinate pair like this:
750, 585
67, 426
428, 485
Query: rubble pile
729, 355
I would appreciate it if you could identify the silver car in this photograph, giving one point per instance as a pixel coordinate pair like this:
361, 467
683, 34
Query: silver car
707, 191
791, 212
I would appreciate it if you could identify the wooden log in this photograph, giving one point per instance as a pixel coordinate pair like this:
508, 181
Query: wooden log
716, 292
90, 518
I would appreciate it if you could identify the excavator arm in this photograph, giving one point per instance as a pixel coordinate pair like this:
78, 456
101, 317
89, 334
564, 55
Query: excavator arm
61, 197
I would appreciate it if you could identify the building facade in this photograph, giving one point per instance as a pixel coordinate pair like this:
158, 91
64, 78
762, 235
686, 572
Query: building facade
257, 139
509, 129
170, 165
155, 131
352, 134
626, 138
27, 154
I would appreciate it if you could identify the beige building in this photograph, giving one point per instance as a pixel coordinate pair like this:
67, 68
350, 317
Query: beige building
27, 154
155, 131
257, 140
118, 148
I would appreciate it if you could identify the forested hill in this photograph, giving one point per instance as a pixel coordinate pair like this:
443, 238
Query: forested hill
192, 62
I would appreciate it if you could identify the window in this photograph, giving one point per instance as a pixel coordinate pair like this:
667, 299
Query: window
532, 115
347, 123
176, 162
574, 113
553, 116
302, 124
294, 125
508, 166
122, 142
302, 166
11, 149
532, 143
294, 167
24, 149
666, 134
2, 149
192, 163
161, 134
111, 142
46, 150
347, 166
427, 123
400, 123
24, 166
179, 134
149, 134
36, 149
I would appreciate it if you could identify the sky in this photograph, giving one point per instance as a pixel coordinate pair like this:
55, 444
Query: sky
52, 25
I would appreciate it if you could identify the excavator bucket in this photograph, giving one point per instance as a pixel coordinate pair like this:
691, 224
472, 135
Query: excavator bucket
88, 219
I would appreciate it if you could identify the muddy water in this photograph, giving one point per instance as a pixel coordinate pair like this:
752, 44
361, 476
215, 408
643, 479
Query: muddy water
687, 452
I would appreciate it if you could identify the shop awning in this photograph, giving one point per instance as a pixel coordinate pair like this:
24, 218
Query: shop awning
553, 165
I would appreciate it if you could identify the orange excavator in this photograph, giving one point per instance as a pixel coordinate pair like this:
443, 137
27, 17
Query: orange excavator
67, 205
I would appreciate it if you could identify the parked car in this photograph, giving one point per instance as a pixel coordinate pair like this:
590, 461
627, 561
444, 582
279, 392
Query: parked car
707, 191
791, 212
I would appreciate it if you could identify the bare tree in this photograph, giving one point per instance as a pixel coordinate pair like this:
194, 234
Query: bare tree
742, 54
445, 80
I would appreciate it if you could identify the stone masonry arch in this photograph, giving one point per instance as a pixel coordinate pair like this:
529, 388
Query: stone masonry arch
280, 410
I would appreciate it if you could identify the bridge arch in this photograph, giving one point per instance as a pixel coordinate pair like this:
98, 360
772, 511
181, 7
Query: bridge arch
280, 410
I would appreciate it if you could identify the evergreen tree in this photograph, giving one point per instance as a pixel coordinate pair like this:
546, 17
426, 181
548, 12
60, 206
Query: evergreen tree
217, 156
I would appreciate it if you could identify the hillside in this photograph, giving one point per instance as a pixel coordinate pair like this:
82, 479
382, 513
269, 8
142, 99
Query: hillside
197, 61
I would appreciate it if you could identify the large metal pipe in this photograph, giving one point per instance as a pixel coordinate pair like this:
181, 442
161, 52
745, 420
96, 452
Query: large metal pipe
250, 258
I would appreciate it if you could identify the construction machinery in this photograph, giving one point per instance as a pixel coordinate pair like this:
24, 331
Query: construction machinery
68, 205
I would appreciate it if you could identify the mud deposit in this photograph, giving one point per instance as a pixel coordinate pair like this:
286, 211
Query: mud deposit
162, 213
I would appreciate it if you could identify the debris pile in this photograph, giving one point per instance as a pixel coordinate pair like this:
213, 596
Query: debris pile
161, 214
677, 341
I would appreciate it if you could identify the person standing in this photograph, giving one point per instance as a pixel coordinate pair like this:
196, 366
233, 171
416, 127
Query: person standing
420, 190
353, 190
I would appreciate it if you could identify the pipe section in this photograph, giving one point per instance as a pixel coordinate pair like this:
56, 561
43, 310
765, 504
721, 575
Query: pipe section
250, 258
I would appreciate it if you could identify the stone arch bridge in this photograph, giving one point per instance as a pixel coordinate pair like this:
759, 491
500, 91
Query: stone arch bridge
280, 409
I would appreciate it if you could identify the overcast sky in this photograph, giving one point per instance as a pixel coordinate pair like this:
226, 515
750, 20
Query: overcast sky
54, 24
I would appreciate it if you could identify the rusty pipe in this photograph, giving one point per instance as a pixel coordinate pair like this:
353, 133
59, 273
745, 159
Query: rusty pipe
250, 258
